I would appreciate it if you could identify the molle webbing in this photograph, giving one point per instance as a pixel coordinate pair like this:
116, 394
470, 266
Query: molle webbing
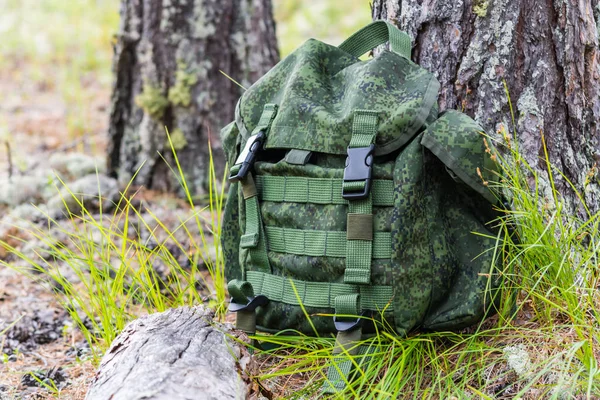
321, 243
294, 189
318, 294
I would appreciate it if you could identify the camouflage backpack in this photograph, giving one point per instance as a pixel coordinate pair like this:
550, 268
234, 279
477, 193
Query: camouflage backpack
353, 196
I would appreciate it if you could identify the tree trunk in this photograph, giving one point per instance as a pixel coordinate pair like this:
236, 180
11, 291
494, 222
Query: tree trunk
169, 55
178, 354
547, 53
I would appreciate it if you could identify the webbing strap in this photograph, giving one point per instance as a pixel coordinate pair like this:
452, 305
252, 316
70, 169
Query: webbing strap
322, 243
318, 294
254, 237
240, 291
340, 370
264, 123
295, 189
267, 116
338, 373
297, 156
347, 305
373, 35
359, 251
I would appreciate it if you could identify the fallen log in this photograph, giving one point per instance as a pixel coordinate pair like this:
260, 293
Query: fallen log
178, 354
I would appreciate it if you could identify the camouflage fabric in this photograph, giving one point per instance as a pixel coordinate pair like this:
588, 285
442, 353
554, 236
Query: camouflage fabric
440, 266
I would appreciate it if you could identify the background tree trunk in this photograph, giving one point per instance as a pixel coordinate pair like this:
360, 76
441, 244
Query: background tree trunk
547, 53
167, 63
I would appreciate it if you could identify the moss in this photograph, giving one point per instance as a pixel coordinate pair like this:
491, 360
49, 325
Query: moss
152, 101
203, 22
178, 139
480, 8
180, 93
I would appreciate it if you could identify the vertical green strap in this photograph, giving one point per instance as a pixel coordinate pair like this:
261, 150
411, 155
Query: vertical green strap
266, 118
359, 252
359, 248
346, 344
264, 123
338, 373
254, 237
343, 370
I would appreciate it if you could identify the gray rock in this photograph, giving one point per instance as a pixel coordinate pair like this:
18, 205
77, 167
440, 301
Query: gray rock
93, 191
23, 189
29, 212
72, 166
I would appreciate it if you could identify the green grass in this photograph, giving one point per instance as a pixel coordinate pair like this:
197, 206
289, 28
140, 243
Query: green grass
115, 279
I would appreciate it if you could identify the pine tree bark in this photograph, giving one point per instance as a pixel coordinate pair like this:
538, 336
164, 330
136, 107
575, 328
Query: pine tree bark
169, 55
547, 52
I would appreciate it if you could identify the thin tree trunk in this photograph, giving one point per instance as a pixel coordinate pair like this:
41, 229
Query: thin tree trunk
169, 55
546, 52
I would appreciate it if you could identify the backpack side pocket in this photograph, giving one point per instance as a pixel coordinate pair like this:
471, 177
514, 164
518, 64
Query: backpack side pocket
468, 207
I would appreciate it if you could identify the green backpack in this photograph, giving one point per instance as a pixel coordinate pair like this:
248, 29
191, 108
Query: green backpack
353, 201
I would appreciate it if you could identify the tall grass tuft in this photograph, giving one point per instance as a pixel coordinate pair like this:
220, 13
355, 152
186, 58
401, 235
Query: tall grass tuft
104, 273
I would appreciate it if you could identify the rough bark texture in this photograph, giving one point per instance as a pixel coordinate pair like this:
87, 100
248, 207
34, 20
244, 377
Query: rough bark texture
177, 354
167, 63
547, 53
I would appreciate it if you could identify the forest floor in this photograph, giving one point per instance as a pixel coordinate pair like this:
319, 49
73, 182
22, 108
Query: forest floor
53, 122
43, 354
38, 337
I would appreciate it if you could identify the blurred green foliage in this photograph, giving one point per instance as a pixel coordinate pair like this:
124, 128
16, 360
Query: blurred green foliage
77, 34
74, 34
330, 21
65, 46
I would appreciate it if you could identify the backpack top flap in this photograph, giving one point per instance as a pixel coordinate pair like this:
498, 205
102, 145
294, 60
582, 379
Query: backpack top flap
319, 86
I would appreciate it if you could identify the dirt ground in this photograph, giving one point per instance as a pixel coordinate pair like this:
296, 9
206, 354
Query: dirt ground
36, 334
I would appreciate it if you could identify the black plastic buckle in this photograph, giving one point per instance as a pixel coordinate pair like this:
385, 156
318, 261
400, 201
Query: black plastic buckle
248, 156
253, 302
359, 167
349, 326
